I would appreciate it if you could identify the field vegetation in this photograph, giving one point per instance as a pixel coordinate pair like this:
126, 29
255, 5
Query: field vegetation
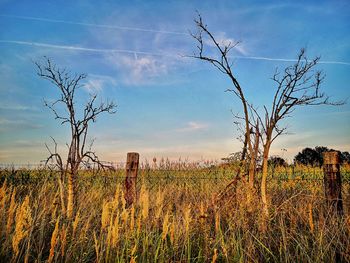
177, 217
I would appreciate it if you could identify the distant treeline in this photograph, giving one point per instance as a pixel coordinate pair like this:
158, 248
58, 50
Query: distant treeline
307, 156
311, 156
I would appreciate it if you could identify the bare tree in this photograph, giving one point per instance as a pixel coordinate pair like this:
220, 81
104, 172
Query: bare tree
78, 152
298, 85
223, 63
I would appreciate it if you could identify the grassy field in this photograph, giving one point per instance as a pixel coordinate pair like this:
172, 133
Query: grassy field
177, 218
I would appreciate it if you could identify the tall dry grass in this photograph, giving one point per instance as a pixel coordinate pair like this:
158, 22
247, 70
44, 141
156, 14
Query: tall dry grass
176, 219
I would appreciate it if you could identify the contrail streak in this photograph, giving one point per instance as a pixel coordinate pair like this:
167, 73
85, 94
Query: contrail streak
78, 48
99, 50
94, 25
291, 60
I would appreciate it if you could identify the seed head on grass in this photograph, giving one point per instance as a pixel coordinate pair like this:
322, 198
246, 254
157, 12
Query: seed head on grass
311, 219
23, 223
132, 218
215, 256
76, 223
115, 232
124, 216
159, 203
54, 241
63, 235
115, 201
105, 215
11, 213
165, 226
144, 200
187, 218
3, 198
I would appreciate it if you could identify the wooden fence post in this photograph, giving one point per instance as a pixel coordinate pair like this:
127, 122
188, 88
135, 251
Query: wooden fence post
132, 165
332, 181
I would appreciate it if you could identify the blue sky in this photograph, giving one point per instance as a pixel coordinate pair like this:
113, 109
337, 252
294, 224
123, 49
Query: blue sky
168, 105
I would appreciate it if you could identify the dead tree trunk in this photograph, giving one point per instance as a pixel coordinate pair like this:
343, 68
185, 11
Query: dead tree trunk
132, 165
332, 181
263, 187
71, 196
252, 166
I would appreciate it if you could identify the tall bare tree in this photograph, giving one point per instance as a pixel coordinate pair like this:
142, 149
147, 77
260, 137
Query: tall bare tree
222, 62
78, 152
298, 85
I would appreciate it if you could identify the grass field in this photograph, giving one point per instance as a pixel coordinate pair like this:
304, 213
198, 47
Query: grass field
177, 218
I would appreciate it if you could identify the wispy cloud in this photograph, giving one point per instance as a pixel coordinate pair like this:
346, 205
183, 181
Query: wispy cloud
93, 85
96, 83
193, 126
141, 69
10, 124
136, 66
23, 154
27, 144
15, 107
6, 105
223, 40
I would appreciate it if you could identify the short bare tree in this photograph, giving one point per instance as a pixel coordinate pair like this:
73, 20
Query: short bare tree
78, 151
296, 86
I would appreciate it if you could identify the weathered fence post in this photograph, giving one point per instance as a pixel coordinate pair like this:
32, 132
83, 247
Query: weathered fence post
332, 181
132, 165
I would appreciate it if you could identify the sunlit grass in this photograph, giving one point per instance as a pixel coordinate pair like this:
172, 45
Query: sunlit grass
176, 218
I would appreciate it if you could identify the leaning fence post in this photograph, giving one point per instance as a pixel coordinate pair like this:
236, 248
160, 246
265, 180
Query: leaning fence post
332, 181
132, 165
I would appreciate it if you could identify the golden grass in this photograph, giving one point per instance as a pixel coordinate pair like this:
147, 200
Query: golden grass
175, 220
54, 241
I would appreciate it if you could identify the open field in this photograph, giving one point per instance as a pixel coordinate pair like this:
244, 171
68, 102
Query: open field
84, 83
177, 218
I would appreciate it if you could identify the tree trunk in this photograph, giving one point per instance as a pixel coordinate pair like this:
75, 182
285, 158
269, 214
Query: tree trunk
264, 178
71, 195
242, 164
254, 154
